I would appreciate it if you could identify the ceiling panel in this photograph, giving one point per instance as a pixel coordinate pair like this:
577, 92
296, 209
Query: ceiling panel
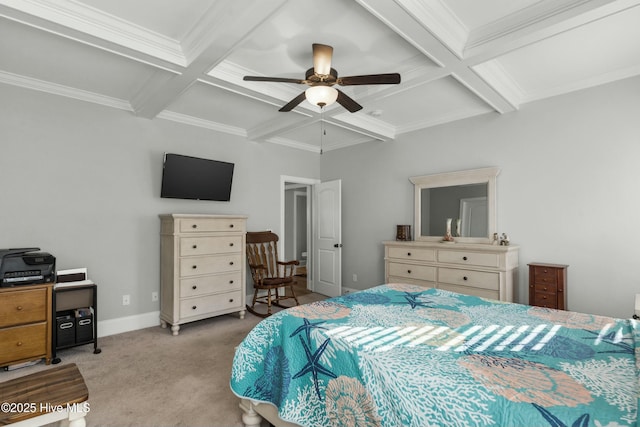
59, 60
185, 60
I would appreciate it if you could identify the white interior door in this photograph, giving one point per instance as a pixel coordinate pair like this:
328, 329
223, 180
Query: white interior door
327, 234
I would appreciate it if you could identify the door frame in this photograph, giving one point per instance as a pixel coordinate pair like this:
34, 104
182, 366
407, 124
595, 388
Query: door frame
310, 182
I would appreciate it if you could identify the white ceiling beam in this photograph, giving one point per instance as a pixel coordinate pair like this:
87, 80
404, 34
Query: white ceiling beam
239, 20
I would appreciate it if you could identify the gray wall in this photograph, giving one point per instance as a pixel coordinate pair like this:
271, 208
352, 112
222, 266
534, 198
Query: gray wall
568, 191
83, 182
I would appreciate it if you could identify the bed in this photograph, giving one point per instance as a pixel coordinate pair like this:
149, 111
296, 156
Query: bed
403, 355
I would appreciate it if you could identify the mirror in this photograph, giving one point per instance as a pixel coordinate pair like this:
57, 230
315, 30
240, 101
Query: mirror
468, 198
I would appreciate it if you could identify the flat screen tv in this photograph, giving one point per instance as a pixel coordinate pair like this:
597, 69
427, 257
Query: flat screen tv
185, 177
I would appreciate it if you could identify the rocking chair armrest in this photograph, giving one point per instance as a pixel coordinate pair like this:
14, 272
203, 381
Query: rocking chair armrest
294, 262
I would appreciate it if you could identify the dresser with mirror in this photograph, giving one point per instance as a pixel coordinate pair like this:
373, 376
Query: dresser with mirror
473, 261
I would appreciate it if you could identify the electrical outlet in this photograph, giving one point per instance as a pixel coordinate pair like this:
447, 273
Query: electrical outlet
355, 277
126, 299
154, 296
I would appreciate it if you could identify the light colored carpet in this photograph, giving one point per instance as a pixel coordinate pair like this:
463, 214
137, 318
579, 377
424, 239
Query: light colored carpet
151, 378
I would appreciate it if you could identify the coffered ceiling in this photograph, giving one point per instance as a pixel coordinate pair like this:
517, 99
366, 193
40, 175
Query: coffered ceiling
183, 60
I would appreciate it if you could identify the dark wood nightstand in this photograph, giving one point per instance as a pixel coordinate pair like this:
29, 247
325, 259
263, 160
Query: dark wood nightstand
548, 285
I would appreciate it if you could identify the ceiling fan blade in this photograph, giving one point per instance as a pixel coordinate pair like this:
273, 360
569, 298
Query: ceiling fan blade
347, 102
272, 79
371, 79
322, 54
293, 103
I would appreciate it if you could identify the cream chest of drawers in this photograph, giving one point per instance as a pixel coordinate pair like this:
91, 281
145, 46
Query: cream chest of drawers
488, 271
202, 267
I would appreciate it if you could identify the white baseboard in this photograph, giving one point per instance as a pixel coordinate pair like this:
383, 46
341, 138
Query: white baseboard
346, 291
128, 323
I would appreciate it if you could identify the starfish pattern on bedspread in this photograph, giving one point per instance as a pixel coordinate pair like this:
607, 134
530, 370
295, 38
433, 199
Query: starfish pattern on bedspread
313, 364
307, 326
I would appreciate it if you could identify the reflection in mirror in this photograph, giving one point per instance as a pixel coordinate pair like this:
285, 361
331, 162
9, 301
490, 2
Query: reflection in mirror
466, 205
465, 197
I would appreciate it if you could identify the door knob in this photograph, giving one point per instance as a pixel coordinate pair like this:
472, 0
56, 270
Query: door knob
337, 245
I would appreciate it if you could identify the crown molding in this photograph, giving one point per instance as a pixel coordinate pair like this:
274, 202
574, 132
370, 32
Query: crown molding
494, 74
459, 114
93, 22
202, 123
582, 84
66, 91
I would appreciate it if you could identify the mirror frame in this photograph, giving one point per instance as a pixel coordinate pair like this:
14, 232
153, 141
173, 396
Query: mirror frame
447, 179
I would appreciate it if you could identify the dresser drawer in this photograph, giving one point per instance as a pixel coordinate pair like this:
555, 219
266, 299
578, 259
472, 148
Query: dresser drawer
545, 275
197, 266
542, 299
209, 304
470, 290
423, 283
469, 258
412, 271
23, 342
476, 279
551, 287
21, 307
408, 253
190, 246
210, 284
200, 225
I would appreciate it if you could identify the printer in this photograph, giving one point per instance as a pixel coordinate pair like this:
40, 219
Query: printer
26, 266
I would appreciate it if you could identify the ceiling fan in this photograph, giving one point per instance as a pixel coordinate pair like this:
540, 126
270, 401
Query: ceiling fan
321, 79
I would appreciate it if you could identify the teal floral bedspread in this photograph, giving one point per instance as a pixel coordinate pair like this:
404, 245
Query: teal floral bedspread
402, 355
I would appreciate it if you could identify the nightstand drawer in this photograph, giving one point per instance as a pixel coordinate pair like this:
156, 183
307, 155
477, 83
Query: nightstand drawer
24, 306
408, 253
412, 271
190, 246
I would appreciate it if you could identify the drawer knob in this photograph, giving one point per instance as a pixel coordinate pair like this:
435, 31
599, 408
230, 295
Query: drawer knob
545, 288
544, 297
194, 267
230, 299
465, 278
19, 343
194, 226
19, 308
194, 307
545, 270
230, 225
408, 253
231, 263
409, 271
195, 246
231, 244
230, 281
464, 258
194, 287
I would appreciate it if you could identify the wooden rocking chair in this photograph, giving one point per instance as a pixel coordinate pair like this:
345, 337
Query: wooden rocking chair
269, 274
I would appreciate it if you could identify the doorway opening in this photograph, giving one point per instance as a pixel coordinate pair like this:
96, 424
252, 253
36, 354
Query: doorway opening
297, 228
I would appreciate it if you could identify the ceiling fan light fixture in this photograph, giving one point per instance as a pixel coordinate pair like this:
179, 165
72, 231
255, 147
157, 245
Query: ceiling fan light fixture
322, 96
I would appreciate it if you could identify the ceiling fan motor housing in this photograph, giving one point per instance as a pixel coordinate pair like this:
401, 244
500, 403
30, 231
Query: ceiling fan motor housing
312, 78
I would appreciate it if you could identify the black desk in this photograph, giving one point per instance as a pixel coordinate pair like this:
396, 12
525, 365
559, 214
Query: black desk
69, 299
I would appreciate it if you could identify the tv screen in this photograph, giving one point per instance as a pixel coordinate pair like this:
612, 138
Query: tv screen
185, 177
